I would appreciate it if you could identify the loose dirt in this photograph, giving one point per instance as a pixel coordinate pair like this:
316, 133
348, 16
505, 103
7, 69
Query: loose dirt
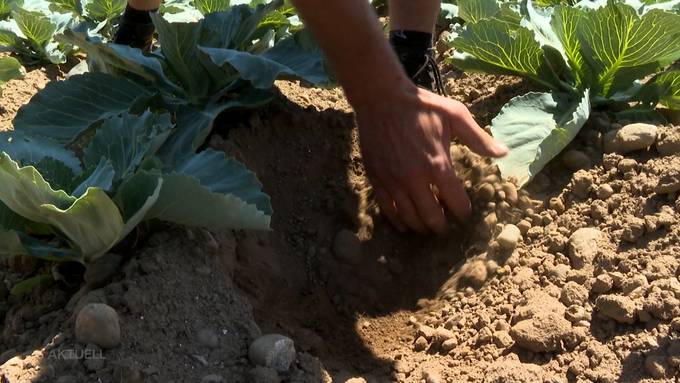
574, 279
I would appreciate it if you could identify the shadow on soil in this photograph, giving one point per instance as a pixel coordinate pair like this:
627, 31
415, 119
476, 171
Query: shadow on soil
305, 279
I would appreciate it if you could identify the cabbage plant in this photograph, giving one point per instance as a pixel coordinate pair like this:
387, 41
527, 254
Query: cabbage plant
585, 56
102, 151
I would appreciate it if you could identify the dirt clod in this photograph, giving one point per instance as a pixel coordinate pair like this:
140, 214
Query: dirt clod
509, 237
630, 138
620, 308
583, 247
544, 332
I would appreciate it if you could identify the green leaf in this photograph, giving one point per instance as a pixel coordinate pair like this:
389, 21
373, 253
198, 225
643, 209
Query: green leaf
211, 6
101, 177
30, 150
25, 191
101, 10
290, 58
65, 109
6, 7
472, 11
491, 46
64, 6
10, 69
663, 89
193, 126
30, 284
136, 196
536, 127
205, 208
10, 244
10, 220
565, 22
220, 174
35, 27
126, 140
621, 47
57, 173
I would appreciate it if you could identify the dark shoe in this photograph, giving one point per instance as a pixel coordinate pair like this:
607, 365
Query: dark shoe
134, 34
422, 68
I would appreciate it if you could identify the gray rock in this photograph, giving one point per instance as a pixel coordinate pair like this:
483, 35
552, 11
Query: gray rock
630, 138
98, 324
274, 351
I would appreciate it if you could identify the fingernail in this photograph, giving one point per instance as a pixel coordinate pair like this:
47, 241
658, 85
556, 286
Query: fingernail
501, 148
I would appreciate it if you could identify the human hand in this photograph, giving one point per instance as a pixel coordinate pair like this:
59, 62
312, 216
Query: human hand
405, 140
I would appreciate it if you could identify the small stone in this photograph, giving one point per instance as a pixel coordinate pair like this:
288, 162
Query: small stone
630, 138
524, 226
420, 344
668, 183
486, 192
448, 345
347, 247
544, 332
98, 323
626, 165
509, 237
575, 160
655, 365
634, 229
603, 283
604, 191
208, 338
212, 378
474, 273
581, 183
273, 351
261, 374
510, 191
617, 307
583, 247
102, 270
576, 313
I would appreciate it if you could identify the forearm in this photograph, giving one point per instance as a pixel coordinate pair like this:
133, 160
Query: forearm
352, 40
145, 5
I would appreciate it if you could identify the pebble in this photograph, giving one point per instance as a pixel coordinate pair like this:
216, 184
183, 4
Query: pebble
630, 138
582, 247
420, 344
208, 338
604, 191
524, 226
261, 374
544, 332
474, 273
486, 192
617, 307
274, 351
575, 160
509, 237
347, 246
510, 191
98, 323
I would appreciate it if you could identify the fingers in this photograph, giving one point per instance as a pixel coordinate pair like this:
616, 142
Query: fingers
407, 211
429, 209
471, 134
388, 208
452, 193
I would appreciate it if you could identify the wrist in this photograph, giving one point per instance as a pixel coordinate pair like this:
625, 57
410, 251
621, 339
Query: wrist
385, 91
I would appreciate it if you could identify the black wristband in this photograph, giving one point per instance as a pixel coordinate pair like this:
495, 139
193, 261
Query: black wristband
136, 16
411, 39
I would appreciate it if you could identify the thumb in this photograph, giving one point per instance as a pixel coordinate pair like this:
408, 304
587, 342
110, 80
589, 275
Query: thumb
464, 126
